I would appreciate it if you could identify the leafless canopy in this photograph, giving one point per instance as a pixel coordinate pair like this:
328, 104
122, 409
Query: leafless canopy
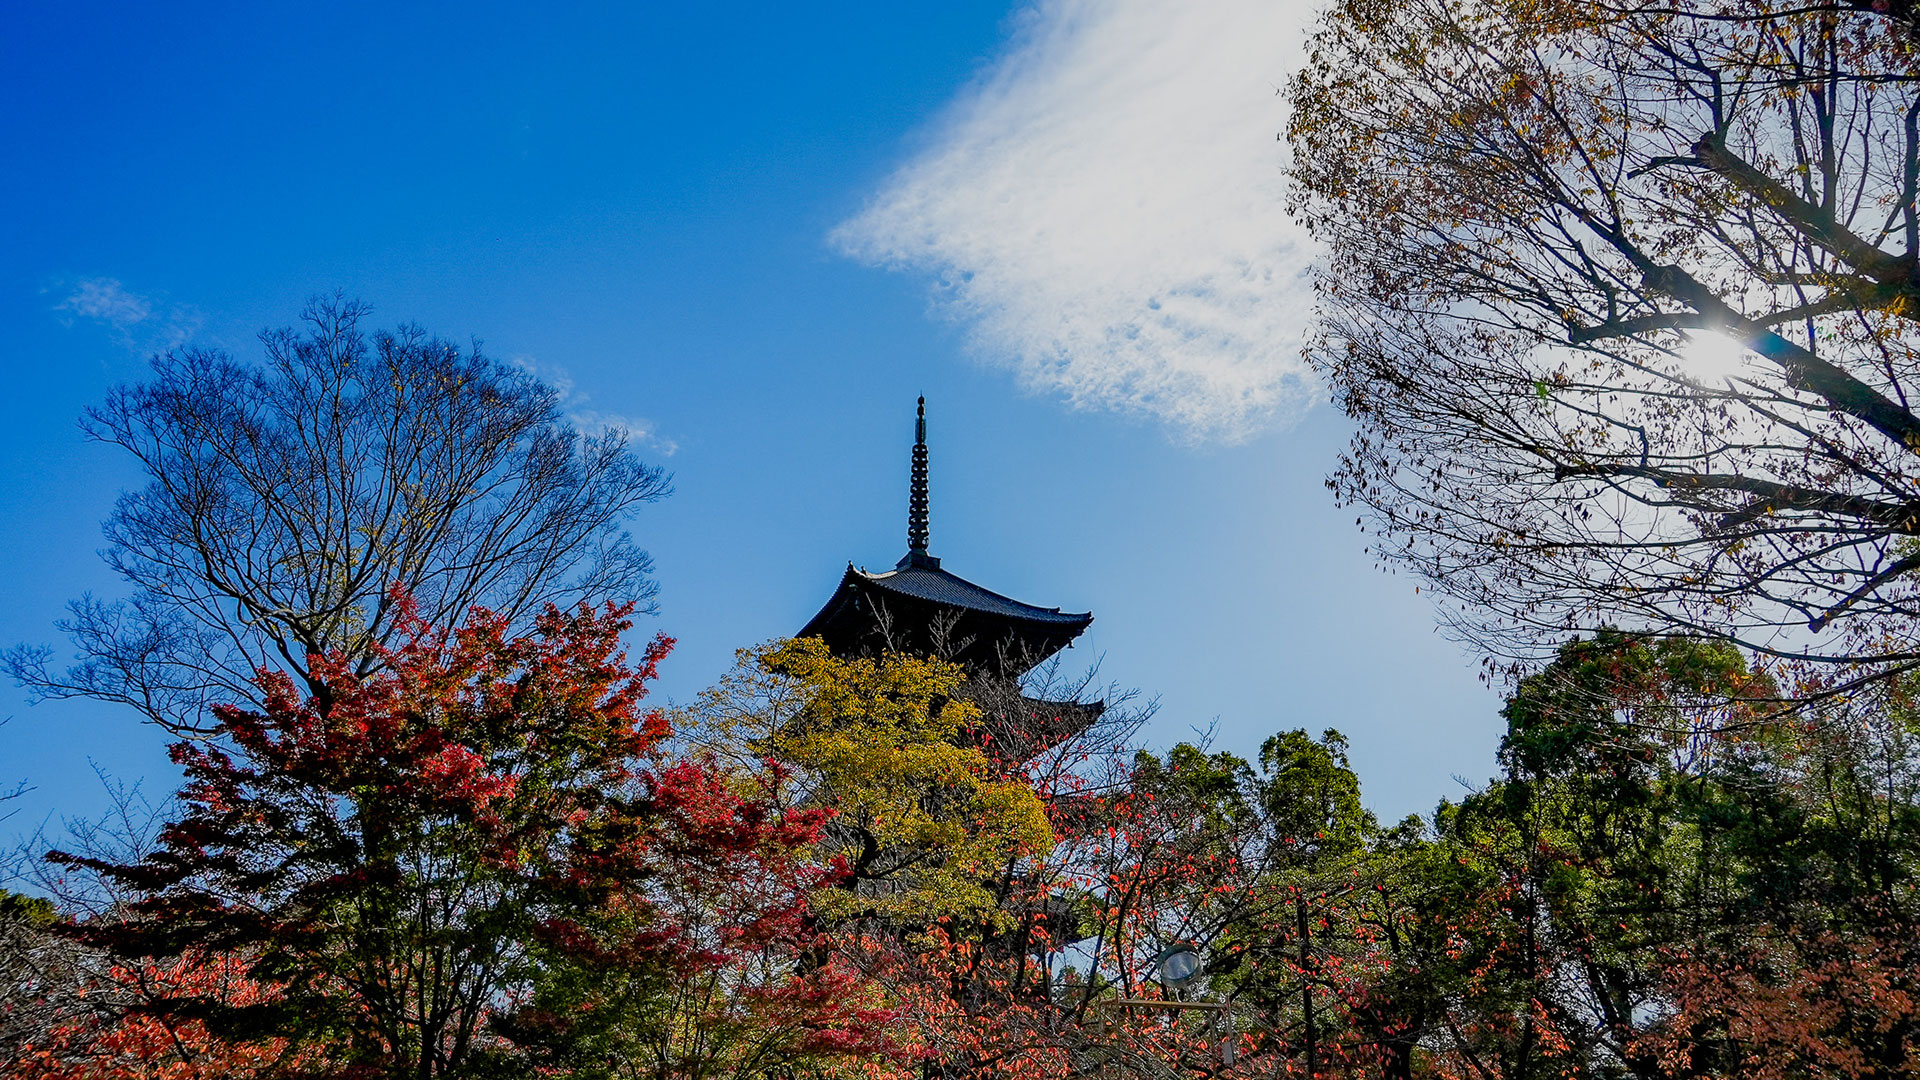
287, 500
1625, 300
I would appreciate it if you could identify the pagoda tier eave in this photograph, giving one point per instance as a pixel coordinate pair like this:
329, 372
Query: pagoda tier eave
924, 610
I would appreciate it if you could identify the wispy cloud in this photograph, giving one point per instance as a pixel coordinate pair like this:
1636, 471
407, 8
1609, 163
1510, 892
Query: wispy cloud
1103, 209
575, 406
109, 301
138, 322
642, 431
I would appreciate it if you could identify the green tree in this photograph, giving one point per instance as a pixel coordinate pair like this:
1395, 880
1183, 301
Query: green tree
1257, 865
1673, 876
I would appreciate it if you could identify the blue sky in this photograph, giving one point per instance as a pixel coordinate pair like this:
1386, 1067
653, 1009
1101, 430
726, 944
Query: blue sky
753, 234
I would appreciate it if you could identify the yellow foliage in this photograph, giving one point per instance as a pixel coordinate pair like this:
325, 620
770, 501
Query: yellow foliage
921, 817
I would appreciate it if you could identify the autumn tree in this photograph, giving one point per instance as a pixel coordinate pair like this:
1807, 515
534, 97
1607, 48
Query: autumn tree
72, 1011
923, 819
102, 1028
39, 972
420, 860
1252, 864
286, 498
1623, 298
1257, 864
952, 892
1672, 876
1530, 935
1808, 961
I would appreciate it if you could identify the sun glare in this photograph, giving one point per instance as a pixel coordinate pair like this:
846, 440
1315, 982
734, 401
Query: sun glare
1711, 358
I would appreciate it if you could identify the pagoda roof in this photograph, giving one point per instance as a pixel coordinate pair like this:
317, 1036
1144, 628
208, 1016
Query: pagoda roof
1031, 727
942, 587
917, 607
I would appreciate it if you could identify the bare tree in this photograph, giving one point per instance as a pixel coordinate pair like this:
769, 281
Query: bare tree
7, 795
1543, 220
49, 981
288, 501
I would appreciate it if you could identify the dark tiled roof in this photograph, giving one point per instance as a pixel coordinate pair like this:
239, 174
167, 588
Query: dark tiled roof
952, 590
919, 608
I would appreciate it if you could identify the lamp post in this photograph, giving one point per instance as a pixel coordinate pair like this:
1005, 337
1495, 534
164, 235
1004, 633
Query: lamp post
1175, 968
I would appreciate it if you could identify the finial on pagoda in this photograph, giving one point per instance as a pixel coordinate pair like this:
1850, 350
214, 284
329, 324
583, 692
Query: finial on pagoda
917, 502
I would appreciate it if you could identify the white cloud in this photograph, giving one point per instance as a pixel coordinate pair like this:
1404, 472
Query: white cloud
641, 431
109, 301
574, 405
1104, 210
136, 321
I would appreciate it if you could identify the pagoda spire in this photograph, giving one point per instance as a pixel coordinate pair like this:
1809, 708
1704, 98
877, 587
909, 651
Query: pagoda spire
917, 499
919, 609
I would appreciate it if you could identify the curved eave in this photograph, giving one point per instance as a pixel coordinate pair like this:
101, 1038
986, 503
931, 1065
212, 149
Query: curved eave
937, 586
992, 629
818, 624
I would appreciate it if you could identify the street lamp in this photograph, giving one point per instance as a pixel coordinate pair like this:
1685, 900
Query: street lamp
1177, 966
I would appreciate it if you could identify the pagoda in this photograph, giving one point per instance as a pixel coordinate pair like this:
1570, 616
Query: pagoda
920, 609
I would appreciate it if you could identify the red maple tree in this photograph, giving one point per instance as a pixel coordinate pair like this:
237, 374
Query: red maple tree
419, 860
103, 1033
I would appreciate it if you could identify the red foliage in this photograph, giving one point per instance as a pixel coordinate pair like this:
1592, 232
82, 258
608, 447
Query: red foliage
106, 1036
1785, 1005
419, 855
